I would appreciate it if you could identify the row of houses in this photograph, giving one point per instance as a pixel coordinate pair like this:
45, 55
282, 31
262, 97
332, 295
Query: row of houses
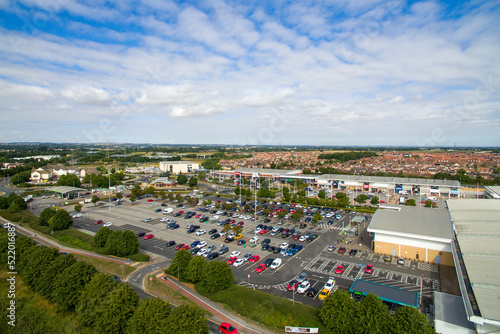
53, 172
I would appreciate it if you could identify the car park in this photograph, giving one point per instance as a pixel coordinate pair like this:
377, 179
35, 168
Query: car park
339, 269
312, 292
276, 263
330, 284
238, 262
254, 259
303, 287
292, 285
323, 294
261, 267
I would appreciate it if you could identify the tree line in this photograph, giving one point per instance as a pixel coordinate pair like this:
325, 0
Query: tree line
346, 156
99, 301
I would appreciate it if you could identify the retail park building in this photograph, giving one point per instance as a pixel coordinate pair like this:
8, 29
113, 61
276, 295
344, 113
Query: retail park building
383, 184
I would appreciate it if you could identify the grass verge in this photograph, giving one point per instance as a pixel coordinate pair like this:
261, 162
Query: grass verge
19, 216
109, 267
267, 309
35, 314
171, 295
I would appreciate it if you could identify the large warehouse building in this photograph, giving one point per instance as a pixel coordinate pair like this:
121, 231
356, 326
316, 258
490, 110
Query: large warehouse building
476, 252
176, 167
421, 234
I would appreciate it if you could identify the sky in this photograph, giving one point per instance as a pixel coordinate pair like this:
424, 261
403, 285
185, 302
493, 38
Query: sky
329, 72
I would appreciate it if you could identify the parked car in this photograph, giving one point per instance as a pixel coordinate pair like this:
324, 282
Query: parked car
342, 250
369, 269
339, 269
353, 252
213, 255
170, 243
323, 294
292, 285
140, 234
401, 261
148, 220
302, 277
261, 268
148, 236
254, 259
232, 260
331, 248
303, 287
276, 263
330, 284
234, 254
107, 224
98, 222
312, 292
200, 232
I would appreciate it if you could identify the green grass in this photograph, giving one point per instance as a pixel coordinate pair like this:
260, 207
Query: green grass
139, 257
267, 309
35, 314
19, 216
110, 267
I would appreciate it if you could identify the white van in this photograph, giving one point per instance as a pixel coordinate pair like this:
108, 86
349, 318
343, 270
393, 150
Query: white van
168, 210
276, 263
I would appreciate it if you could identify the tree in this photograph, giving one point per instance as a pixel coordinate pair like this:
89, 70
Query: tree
181, 179
188, 314
409, 320
119, 195
410, 202
71, 282
69, 180
122, 243
180, 264
193, 182
196, 269
95, 199
113, 170
338, 313
78, 207
61, 220
92, 297
132, 198
361, 198
151, 316
47, 279
322, 194
116, 310
317, 216
34, 263
429, 204
137, 190
375, 200
102, 236
45, 216
372, 316
218, 276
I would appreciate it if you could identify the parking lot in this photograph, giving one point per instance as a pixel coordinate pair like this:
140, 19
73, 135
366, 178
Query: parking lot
314, 258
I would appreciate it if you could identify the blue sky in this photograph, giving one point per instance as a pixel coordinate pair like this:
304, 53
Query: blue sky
331, 72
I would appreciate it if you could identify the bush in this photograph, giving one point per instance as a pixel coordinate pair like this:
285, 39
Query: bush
139, 257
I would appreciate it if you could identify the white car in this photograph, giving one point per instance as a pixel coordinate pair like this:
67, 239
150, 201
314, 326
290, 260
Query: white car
215, 217
201, 244
284, 245
200, 232
234, 254
302, 238
257, 230
164, 220
329, 284
254, 240
107, 224
276, 263
238, 263
303, 287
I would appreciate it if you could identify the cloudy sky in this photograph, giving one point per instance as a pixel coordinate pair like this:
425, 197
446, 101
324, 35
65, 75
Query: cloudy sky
329, 72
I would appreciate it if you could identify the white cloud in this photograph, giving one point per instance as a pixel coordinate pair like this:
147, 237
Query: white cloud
263, 100
88, 95
165, 95
199, 110
24, 92
397, 99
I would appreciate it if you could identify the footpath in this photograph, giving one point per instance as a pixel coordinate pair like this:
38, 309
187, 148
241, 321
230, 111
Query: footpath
219, 314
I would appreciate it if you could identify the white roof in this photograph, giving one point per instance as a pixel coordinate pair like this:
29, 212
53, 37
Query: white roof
477, 229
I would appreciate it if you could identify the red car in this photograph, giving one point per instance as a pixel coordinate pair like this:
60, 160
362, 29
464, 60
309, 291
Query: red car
240, 223
151, 200
383, 202
340, 269
231, 260
98, 222
369, 269
254, 259
148, 236
179, 246
198, 215
263, 231
261, 268
181, 212
292, 285
342, 250
226, 328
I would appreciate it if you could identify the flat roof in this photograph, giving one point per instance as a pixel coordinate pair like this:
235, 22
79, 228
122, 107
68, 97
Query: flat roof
65, 190
264, 171
450, 309
178, 162
391, 180
477, 230
413, 221
385, 292
494, 191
